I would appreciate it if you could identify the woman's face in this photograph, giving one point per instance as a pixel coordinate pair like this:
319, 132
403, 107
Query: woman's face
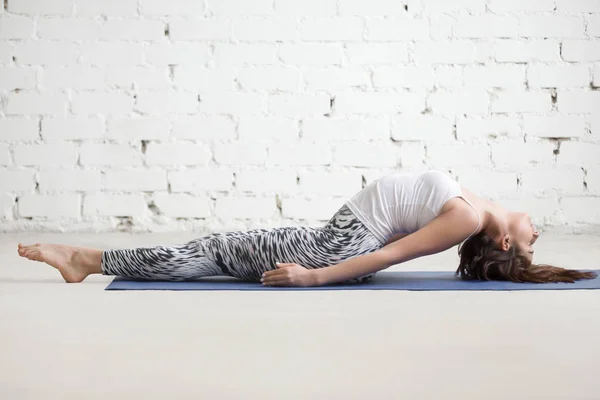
524, 234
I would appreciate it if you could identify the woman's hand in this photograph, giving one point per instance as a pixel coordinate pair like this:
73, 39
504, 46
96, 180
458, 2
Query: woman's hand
289, 274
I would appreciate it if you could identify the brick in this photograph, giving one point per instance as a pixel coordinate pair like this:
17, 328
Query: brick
43, 52
47, 154
441, 155
69, 128
582, 210
516, 155
16, 27
182, 205
463, 102
454, 5
593, 180
5, 158
6, 52
18, 180
593, 25
501, 76
334, 78
331, 29
36, 103
114, 205
127, 129
345, 128
240, 153
468, 128
72, 77
557, 126
396, 29
189, 77
135, 180
552, 181
37, 7
17, 78
526, 51
122, 8
298, 104
200, 29
379, 103
109, 154
126, 77
577, 6
113, 53
503, 6
172, 7
244, 54
403, 77
7, 202
374, 7
488, 183
70, 180
551, 26
246, 207
558, 76
578, 102
486, 26
445, 53
179, 53
99, 102
132, 29
83, 29
177, 154
240, 7
422, 127
269, 78
580, 50
203, 127
307, 7
19, 129
366, 155
267, 181
579, 153
311, 54
330, 183
377, 53
269, 29
521, 102
233, 103
50, 206
166, 102
259, 128
200, 180
298, 153
448, 76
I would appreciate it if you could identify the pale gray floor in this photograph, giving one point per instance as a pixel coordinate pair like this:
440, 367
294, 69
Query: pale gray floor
77, 341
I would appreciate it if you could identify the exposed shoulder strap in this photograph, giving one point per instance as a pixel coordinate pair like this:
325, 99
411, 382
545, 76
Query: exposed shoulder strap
478, 216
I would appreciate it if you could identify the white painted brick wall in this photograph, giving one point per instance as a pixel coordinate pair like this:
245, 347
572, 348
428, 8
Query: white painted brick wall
253, 113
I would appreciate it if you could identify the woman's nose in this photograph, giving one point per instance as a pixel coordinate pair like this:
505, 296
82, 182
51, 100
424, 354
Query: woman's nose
535, 231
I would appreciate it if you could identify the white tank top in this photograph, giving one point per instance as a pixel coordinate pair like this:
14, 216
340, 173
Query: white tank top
404, 202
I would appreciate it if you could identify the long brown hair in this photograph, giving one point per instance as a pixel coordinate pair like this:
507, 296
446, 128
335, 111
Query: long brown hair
481, 259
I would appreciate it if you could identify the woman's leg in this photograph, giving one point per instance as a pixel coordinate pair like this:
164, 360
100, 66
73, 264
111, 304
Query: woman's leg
247, 254
242, 254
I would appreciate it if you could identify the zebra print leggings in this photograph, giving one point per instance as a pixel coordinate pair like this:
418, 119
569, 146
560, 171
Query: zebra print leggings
247, 254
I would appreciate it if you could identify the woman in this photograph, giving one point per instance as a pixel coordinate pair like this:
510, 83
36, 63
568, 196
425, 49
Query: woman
394, 219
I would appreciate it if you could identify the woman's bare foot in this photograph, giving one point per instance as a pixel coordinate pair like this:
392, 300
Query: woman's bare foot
63, 258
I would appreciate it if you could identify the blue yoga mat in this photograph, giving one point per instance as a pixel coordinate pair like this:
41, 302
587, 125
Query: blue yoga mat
384, 280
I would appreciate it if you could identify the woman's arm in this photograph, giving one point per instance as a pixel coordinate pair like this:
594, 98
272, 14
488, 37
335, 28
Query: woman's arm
443, 232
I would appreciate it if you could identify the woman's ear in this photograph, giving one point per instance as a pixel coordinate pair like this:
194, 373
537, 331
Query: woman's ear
505, 243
